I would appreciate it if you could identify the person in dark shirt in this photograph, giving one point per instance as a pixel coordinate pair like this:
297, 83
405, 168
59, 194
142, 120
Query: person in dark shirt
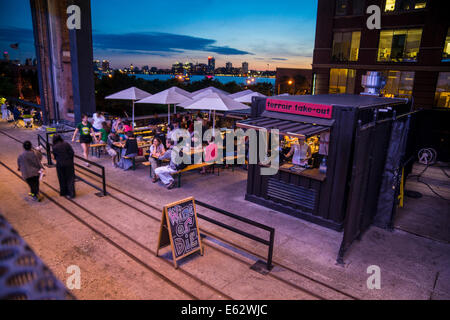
65, 168
130, 150
155, 120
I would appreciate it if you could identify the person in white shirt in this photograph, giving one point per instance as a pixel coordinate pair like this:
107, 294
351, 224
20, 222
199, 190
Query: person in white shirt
5, 112
301, 152
98, 119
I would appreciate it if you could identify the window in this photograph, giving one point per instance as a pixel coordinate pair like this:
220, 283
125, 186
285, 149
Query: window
342, 81
442, 95
346, 46
398, 84
341, 7
446, 52
404, 5
399, 45
358, 7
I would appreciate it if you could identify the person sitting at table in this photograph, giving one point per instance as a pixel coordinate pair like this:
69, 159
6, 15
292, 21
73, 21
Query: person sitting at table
211, 153
174, 126
111, 148
157, 150
301, 152
102, 135
127, 126
117, 126
129, 150
155, 120
165, 172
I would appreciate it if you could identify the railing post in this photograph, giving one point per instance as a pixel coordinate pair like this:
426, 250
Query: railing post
269, 257
104, 181
47, 149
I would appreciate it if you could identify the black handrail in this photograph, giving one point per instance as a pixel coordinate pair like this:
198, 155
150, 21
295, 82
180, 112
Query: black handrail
271, 230
46, 144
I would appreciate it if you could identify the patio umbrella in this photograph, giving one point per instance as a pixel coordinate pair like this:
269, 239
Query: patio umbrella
213, 101
169, 96
206, 91
245, 96
132, 94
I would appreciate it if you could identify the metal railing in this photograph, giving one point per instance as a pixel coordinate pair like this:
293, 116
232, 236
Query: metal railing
44, 142
271, 230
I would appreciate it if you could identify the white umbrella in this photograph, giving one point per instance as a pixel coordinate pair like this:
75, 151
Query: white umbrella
206, 91
132, 94
214, 101
169, 96
245, 96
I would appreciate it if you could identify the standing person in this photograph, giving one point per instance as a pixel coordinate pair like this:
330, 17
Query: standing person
30, 167
130, 150
85, 130
5, 111
98, 119
301, 152
65, 168
156, 151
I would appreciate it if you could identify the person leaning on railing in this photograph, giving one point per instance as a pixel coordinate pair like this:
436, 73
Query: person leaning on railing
65, 167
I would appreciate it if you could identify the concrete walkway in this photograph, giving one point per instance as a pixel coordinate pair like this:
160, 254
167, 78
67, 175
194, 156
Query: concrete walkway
412, 267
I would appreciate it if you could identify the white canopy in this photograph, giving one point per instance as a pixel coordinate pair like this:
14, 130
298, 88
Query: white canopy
245, 96
172, 95
206, 91
132, 94
214, 101
169, 96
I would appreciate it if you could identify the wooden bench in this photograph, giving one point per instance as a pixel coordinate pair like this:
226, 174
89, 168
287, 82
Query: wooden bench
96, 147
192, 167
132, 159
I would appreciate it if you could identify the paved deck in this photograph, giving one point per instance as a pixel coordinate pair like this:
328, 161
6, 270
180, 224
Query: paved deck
113, 241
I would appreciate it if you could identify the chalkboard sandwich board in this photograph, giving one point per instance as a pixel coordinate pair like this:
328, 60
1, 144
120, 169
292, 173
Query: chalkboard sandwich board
179, 229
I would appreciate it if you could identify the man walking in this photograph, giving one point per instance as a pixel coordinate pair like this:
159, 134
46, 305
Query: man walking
31, 168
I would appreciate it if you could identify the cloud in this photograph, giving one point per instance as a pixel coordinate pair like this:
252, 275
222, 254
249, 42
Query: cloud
279, 59
158, 42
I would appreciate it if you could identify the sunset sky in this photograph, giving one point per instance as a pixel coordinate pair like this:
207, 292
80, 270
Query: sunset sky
264, 33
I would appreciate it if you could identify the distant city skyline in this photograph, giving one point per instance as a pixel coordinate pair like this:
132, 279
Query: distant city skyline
257, 32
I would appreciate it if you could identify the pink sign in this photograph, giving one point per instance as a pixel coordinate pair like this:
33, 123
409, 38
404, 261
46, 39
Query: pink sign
301, 108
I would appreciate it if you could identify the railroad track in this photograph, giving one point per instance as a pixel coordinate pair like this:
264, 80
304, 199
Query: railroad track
157, 211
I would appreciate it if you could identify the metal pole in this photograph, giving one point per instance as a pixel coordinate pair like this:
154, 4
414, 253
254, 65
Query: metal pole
104, 181
269, 257
132, 117
47, 149
168, 114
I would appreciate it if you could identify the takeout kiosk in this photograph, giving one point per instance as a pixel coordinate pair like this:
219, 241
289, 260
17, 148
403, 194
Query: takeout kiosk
350, 135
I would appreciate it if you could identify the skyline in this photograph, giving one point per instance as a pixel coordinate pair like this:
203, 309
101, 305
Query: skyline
265, 36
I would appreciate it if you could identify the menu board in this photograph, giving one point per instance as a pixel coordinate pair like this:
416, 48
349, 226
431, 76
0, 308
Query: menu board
179, 229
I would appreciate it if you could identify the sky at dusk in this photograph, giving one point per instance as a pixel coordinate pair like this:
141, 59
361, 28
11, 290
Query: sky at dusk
266, 34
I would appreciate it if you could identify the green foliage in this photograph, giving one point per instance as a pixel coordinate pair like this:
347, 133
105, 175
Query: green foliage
108, 85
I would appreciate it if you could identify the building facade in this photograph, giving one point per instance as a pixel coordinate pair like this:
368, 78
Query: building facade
411, 49
244, 67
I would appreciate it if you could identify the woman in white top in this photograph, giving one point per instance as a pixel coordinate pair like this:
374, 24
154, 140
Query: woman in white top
156, 150
98, 119
301, 152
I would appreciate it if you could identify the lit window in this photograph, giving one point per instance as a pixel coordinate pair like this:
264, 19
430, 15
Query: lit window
446, 52
442, 95
399, 45
342, 81
346, 46
398, 84
341, 7
404, 5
